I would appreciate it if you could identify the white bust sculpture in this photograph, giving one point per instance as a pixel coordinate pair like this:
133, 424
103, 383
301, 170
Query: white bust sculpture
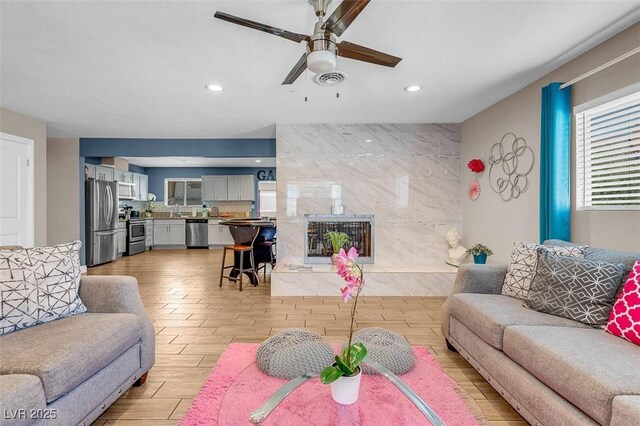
457, 253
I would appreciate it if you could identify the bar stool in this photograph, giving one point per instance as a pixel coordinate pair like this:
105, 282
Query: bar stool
241, 249
270, 245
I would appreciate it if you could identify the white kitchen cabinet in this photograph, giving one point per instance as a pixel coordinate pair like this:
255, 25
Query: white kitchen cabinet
169, 233
148, 231
104, 173
214, 235
141, 183
241, 188
161, 235
208, 188
122, 237
233, 188
221, 189
228, 188
177, 234
225, 235
247, 188
214, 188
219, 235
143, 190
123, 176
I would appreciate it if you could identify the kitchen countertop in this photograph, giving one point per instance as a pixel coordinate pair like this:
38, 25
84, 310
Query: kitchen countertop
179, 218
186, 217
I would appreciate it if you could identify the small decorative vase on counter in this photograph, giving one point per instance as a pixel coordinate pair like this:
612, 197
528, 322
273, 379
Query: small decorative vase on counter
333, 258
345, 390
480, 258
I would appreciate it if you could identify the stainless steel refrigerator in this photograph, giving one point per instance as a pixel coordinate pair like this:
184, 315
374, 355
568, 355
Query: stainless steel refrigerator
101, 221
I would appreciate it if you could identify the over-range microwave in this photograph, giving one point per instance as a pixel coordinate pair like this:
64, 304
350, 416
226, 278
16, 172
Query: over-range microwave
126, 191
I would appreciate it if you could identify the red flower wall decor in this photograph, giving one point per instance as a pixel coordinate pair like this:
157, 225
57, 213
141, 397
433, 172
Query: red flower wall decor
476, 165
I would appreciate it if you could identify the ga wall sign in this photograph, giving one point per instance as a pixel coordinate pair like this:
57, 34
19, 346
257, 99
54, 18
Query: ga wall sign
269, 174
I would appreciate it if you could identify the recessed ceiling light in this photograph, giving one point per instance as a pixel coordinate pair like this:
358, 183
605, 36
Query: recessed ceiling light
214, 87
368, 154
412, 88
369, 140
258, 161
351, 164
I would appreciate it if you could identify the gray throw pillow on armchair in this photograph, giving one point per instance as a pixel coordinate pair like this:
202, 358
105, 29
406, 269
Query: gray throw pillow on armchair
575, 288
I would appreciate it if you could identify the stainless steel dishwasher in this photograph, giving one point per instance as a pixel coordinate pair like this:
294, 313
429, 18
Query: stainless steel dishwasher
197, 233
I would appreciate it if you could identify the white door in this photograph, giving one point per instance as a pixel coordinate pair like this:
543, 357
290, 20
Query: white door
16, 191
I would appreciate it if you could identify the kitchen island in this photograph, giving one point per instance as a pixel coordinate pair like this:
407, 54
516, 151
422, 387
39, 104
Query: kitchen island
251, 232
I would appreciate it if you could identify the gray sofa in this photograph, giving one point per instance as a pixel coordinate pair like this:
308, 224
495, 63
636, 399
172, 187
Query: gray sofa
552, 370
69, 371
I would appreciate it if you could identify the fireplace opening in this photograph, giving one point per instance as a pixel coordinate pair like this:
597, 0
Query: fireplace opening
359, 228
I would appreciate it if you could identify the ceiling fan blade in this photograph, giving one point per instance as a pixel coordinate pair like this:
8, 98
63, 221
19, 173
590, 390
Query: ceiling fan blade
297, 70
344, 15
262, 27
361, 53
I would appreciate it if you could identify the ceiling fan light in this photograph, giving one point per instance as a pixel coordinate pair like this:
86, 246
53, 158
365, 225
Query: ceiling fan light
320, 61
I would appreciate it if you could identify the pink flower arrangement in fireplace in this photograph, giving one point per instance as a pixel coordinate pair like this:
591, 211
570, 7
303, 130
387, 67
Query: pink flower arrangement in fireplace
352, 356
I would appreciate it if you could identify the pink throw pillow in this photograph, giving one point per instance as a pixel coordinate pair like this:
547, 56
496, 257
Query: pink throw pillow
624, 319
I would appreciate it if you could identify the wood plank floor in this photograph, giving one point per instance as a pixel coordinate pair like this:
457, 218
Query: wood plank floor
195, 320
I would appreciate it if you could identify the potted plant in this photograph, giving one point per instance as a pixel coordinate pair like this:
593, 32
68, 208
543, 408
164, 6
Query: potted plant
337, 240
479, 253
344, 375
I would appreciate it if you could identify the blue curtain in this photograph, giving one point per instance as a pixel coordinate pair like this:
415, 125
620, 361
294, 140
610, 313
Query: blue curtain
555, 162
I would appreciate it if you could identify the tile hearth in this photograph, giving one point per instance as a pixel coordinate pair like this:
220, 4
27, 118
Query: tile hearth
292, 278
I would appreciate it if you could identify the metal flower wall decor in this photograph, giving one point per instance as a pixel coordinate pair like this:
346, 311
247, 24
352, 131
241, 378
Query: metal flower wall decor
508, 169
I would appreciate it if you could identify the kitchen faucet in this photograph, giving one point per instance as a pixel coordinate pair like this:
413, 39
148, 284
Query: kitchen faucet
177, 210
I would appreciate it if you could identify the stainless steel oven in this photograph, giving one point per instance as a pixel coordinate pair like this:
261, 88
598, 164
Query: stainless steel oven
136, 236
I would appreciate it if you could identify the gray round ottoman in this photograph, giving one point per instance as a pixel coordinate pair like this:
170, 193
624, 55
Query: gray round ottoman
292, 353
386, 347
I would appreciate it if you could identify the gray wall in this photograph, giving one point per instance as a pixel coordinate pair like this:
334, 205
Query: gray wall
498, 224
31, 128
63, 190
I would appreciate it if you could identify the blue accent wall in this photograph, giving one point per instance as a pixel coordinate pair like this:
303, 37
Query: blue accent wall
137, 169
109, 147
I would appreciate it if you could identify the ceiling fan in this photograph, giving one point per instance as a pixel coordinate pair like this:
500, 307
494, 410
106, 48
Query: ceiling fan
320, 55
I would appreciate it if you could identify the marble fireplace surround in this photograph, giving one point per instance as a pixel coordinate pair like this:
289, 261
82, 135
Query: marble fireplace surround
406, 175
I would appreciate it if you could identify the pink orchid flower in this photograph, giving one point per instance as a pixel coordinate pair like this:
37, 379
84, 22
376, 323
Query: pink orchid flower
349, 271
346, 294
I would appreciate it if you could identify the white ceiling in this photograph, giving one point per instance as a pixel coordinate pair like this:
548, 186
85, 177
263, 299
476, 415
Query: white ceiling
200, 162
138, 68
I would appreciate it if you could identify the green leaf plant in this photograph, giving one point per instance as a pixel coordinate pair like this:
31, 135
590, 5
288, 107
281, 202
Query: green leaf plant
337, 240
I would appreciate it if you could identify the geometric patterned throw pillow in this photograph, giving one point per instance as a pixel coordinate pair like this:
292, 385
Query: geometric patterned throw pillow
575, 288
39, 285
522, 266
624, 320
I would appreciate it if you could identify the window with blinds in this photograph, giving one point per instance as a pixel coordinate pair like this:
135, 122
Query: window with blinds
608, 155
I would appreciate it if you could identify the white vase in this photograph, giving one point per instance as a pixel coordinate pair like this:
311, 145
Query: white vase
345, 390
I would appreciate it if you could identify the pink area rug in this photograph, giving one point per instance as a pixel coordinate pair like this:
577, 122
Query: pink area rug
236, 387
